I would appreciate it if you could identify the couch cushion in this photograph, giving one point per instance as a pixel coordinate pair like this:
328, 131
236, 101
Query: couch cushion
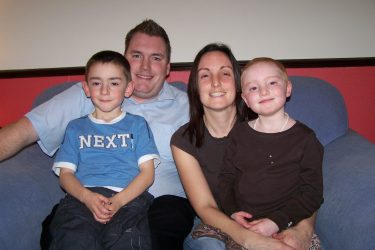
320, 106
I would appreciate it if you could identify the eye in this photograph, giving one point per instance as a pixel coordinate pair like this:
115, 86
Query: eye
115, 84
95, 83
157, 58
253, 88
136, 55
227, 73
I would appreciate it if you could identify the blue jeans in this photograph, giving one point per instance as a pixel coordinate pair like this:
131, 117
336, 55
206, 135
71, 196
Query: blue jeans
74, 226
202, 243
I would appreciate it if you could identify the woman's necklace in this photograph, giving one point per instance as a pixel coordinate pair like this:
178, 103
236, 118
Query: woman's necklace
282, 128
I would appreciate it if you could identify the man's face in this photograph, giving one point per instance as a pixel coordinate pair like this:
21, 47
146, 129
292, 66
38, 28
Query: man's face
149, 65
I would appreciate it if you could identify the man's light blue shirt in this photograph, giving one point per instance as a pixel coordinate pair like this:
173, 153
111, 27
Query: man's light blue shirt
165, 114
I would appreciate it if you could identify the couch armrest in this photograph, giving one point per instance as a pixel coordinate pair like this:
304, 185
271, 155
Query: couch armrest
346, 219
28, 191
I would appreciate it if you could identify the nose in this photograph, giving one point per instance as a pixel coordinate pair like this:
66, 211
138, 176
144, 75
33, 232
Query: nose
263, 91
104, 90
145, 63
216, 81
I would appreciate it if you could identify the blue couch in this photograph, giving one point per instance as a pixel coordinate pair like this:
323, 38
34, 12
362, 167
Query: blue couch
29, 189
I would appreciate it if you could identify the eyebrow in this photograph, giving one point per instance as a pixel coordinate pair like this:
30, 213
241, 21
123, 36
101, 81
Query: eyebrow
99, 78
222, 67
152, 54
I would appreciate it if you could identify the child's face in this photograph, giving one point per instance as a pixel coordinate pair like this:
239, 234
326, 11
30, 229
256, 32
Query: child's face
216, 82
265, 88
107, 86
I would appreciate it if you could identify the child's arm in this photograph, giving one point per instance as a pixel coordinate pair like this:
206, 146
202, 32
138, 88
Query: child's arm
310, 192
140, 183
93, 201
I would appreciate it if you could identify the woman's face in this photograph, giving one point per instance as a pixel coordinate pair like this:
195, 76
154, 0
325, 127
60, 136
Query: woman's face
216, 84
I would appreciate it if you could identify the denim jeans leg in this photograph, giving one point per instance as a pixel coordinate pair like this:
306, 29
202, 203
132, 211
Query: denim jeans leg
129, 228
74, 227
202, 243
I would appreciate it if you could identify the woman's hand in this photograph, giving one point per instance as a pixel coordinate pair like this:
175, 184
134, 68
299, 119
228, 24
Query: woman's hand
300, 235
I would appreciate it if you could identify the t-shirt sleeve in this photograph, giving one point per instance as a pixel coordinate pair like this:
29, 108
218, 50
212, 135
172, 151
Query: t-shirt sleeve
146, 148
51, 118
181, 141
68, 155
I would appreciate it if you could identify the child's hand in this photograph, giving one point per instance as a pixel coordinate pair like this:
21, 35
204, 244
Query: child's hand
113, 205
241, 218
265, 227
96, 203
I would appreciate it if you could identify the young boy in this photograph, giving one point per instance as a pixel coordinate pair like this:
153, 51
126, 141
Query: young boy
105, 164
273, 174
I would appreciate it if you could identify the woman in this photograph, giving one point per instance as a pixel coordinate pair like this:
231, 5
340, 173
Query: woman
198, 149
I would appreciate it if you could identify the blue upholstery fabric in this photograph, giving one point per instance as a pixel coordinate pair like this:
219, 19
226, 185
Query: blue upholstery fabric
320, 106
28, 188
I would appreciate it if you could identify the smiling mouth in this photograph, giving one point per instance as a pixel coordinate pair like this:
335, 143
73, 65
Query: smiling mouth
217, 94
146, 77
266, 100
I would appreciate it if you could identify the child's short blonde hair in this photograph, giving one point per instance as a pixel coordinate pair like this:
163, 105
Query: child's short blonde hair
278, 64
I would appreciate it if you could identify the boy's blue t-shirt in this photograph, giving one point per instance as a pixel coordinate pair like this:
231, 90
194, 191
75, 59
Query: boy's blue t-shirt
106, 154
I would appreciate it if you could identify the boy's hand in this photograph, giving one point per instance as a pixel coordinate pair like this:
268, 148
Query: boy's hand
241, 218
96, 203
265, 227
113, 205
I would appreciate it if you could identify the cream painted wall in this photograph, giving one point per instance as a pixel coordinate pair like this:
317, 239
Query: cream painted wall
55, 33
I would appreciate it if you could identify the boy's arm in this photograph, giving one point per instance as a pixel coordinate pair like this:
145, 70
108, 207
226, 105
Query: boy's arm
15, 137
140, 184
94, 201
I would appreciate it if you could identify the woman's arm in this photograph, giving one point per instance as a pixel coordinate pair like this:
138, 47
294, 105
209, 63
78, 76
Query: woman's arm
299, 236
201, 198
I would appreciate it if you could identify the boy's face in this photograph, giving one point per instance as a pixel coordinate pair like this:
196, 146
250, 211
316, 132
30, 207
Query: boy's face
107, 86
265, 88
149, 65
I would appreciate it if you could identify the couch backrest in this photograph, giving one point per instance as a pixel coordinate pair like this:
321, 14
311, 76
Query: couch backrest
320, 106
314, 102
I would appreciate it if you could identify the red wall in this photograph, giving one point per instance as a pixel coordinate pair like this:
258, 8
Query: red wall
356, 84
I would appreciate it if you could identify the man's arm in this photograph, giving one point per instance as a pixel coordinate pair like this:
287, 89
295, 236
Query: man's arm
15, 137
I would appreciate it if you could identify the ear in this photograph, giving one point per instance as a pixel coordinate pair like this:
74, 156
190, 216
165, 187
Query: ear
86, 89
129, 89
289, 88
168, 69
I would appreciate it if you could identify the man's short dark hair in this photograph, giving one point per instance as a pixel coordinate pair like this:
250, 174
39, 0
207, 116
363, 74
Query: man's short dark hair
151, 28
